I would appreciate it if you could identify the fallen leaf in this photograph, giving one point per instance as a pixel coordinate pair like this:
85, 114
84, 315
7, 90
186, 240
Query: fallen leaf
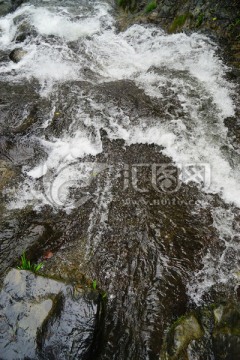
48, 255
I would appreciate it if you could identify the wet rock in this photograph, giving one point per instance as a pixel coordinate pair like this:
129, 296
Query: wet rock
21, 37
226, 334
5, 7
47, 319
6, 173
17, 54
17, 3
24, 229
183, 332
227, 316
216, 334
150, 229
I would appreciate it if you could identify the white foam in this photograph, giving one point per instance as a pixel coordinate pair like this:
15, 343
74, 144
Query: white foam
64, 151
55, 61
218, 267
50, 23
182, 67
8, 27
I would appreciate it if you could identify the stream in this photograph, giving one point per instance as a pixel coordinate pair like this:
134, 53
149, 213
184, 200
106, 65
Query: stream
122, 158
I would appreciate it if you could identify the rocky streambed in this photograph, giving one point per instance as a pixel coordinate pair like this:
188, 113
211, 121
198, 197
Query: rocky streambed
119, 160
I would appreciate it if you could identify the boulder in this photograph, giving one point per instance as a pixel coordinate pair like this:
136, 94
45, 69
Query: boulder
226, 334
22, 37
212, 331
17, 54
17, 3
5, 7
9, 5
41, 318
181, 334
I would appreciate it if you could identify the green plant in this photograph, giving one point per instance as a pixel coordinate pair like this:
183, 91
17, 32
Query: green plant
234, 24
237, 22
178, 22
150, 6
94, 284
200, 19
127, 5
104, 295
26, 264
121, 3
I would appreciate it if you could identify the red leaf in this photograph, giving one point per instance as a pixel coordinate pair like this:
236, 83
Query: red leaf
48, 255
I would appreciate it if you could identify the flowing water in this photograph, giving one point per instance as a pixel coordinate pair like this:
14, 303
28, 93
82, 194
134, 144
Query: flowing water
121, 136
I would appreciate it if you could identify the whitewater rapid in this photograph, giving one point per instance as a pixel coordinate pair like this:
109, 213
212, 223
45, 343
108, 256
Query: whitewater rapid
83, 44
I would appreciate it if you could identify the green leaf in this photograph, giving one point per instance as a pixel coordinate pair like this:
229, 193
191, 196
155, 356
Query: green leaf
94, 284
26, 264
38, 267
104, 295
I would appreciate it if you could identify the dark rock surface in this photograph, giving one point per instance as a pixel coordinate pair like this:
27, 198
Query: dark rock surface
5, 7
41, 318
17, 3
9, 5
153, 226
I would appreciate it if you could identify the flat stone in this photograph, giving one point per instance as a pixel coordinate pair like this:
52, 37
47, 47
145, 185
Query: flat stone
45, 318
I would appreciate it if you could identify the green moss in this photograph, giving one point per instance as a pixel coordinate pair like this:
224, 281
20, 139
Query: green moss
178, 22
236, 22
227, 331
234, 26
122, 3
200, 19
218, 322
127, 4
181, 333
150, 7
228, 320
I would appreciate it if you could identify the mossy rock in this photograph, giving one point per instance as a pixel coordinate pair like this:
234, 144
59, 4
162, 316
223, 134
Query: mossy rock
226, 334
6, 173
213, 329
227, 320
182, 332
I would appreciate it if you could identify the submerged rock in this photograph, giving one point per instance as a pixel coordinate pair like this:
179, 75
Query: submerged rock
17, 54
44, 318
